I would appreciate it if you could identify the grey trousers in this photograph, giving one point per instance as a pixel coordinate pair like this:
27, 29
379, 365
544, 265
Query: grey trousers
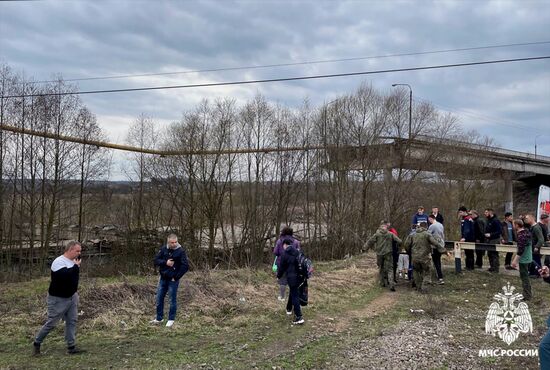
61, 308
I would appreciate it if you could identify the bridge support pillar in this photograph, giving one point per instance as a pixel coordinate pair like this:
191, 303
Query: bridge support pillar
509, 196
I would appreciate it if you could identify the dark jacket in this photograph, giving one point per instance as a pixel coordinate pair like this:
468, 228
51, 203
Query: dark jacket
279, 250
439, 218
467, 229
505, 230
65, 275
494, 228
538, 237
544, 230
181, 266
289, 264
479, 230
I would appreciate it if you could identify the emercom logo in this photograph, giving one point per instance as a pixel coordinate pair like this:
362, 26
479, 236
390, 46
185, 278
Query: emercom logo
499, 352
508, 316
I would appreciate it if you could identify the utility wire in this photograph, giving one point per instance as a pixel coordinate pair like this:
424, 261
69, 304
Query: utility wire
284, 79
298, 63
490, 119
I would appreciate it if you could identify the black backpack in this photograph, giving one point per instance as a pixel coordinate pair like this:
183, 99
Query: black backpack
305, 267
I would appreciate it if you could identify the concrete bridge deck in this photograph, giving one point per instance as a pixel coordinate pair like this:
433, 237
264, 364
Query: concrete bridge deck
454, 159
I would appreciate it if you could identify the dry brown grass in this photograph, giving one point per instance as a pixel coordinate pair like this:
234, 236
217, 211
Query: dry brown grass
217, 296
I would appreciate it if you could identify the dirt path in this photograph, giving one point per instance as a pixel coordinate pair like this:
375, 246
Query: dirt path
340, 323
377, 306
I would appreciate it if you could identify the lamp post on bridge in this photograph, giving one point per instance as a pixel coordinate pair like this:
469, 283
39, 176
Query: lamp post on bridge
388, 172
536, 144
410, 106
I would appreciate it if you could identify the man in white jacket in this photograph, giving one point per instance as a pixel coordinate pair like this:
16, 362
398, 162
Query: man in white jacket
438, 231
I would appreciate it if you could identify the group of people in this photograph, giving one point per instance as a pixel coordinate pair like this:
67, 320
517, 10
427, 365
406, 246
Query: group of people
528, 234
421, 249
420, 253
62, 299
172, 262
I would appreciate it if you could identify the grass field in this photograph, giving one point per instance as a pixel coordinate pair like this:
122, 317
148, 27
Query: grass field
232, 319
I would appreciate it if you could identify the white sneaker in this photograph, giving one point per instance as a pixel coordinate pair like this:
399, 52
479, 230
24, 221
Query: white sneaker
169, 323
440, 282
281, 298
298, 321
289, 313
155, 322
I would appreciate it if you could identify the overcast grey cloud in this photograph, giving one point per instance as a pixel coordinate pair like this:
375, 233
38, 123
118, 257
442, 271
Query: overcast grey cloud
82, 39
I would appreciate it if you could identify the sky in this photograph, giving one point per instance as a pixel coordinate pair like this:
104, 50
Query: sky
84, 39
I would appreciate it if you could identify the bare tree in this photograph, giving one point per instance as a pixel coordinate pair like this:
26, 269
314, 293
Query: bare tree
92, 161
143, 135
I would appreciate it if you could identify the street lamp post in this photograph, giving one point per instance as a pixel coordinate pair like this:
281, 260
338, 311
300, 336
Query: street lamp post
536, 144
410, 106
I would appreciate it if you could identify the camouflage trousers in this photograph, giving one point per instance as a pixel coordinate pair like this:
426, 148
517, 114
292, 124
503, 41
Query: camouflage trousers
385, 270
422, 274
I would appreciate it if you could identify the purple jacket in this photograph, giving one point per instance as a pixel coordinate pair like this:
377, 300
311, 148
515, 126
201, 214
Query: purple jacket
279, 250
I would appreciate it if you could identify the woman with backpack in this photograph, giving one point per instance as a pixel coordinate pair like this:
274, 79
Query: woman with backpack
289, 266
278, 251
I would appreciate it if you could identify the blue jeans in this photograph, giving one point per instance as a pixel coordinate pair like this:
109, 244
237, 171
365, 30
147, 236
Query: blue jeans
544, 349
164, 287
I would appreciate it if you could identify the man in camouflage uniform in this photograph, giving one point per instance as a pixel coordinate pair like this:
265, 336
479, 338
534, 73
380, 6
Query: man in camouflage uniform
420, 246
382, 243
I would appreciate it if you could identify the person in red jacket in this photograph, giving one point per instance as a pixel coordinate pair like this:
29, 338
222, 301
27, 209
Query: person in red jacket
395, 250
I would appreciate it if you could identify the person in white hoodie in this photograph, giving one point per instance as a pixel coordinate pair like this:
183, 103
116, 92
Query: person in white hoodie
438, 231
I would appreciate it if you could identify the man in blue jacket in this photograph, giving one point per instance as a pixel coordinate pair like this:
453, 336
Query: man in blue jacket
419, 216
172, 262
289, 265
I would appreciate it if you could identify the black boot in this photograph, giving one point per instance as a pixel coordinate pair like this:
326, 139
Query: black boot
72, 350
35, 349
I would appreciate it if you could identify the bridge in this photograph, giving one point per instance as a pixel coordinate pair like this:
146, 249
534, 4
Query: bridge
520, 171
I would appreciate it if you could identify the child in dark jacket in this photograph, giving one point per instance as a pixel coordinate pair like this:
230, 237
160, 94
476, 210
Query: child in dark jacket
289, 265
278, 251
